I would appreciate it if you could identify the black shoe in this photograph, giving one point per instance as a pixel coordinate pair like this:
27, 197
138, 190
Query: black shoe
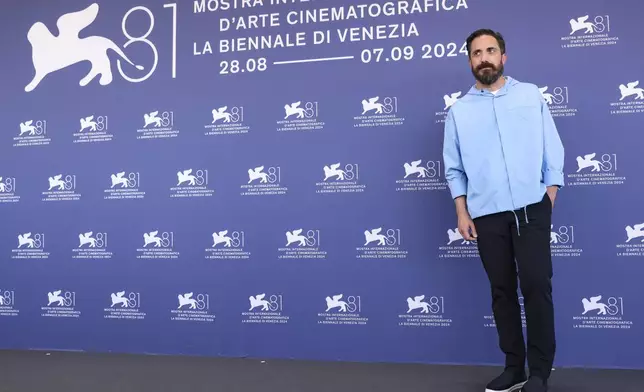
535, 384
508, 381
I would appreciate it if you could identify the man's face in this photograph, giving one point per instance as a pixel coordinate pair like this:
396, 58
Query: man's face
486, 60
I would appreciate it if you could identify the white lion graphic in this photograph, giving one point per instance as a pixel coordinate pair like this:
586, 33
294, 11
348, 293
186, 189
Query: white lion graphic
52, 53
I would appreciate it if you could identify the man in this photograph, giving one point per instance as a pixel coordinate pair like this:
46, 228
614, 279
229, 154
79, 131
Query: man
504, 164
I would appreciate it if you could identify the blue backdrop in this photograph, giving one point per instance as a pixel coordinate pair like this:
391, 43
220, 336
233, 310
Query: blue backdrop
265, 178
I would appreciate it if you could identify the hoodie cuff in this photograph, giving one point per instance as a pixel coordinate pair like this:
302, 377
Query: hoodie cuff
458, 188
552, 178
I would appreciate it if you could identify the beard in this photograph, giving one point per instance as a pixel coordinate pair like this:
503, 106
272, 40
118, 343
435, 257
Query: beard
488, 73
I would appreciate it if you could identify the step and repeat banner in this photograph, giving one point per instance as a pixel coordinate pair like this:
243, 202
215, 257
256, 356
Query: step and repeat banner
264, 177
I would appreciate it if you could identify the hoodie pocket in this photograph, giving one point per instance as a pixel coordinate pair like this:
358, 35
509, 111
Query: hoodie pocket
525, 113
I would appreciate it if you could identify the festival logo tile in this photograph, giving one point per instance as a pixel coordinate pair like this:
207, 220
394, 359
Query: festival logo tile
302, 244
380, 243
633, 241
193, 307
558, 100
124, 306
601, 312
265, 309
93, 129
157, 245
124, 185
61, 303
341, 310
30, 246
8, 190
157, 125
448, 100
228, 245
378, 112
416, 176
61, 187
227, 121
596, 170
584, 31
8, 303
457, 247
300, 116
32, 133
425, 312
92, 246
563, 242
629, 99
192, 183
339, 178
264, 181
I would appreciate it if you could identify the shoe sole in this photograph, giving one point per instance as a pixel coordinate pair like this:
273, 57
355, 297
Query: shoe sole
513, 388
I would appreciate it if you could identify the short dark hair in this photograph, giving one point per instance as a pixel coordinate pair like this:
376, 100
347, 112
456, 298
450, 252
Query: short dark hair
480, 32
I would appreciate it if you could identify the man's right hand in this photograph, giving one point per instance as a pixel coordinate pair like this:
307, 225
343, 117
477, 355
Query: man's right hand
465, 222
466, 227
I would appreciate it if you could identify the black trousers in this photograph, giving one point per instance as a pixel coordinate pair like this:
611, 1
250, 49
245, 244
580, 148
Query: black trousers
500, 243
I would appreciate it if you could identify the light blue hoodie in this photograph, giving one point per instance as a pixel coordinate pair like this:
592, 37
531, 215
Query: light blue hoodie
502, 150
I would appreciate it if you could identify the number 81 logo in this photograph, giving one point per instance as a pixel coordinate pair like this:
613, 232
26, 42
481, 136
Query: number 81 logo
52, 53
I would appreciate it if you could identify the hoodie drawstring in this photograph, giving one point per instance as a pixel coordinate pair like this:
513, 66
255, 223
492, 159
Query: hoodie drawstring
516, 219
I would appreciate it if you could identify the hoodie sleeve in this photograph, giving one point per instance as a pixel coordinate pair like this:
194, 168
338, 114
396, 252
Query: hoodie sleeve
553, 150
454, 171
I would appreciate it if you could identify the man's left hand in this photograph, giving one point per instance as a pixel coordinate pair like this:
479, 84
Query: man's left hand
552, 194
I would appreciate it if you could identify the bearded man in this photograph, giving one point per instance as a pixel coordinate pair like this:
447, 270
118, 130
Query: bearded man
503, 161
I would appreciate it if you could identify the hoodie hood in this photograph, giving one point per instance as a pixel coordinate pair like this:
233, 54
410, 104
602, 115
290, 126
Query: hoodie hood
509, 84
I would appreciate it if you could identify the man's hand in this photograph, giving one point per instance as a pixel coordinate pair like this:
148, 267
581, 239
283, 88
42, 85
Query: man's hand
465, 223
552, 194
466, 227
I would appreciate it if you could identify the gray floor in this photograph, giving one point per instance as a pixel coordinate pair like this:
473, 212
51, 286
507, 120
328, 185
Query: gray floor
77, 372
